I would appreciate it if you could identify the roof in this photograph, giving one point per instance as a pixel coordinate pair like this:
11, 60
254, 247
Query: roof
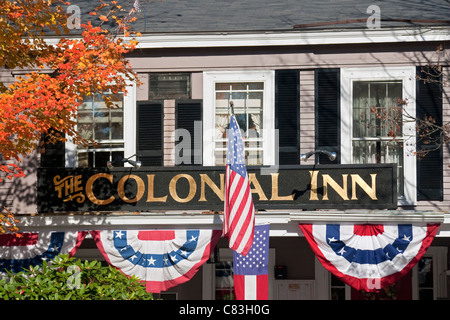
174, 16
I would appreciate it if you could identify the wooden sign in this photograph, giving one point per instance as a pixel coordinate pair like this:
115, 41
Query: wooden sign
187, 188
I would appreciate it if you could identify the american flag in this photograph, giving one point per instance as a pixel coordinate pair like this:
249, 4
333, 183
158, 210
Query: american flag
239, 211
251, 272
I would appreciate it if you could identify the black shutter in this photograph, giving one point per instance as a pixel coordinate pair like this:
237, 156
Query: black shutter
54, 154
150, 132
430, 167
287, 115
327, 100
188, 114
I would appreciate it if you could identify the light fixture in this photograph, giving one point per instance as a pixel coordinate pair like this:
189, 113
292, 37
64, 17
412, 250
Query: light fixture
136, 164
331, 155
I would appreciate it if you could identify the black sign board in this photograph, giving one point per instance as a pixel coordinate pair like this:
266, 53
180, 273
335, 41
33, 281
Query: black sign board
187, 188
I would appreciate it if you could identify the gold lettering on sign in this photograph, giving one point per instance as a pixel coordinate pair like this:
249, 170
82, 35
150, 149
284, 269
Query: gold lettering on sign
341, 191
173, 188
71, 186
371, 191
204, 179
275, 195
258, 189
151, 192
140, 188
313, 195
91, 195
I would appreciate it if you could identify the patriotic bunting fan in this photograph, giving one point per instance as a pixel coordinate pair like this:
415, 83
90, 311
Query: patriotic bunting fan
161, 258
31, 248
369, 257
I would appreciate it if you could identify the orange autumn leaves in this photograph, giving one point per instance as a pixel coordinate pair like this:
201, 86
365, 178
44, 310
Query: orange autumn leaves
45, 100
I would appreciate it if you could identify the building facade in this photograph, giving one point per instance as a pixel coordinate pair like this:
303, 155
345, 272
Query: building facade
309, 87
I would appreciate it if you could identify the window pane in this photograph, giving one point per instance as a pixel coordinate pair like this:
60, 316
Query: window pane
101, 158
425, 278
116, 124
381, 152
224, 281
103, 125
256, 86
85, 159
376, 108
220, 156
377, 119
247, 98
170, 85
223, 86
101, 130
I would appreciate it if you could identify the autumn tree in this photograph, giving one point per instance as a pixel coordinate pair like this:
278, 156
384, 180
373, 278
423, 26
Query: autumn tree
62, 74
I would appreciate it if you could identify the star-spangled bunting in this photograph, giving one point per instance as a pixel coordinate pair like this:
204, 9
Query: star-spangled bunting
32, 248
371, 256
160, 258
251, 271
239, 211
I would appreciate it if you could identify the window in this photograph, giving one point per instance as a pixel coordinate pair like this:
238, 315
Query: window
103, 125
224, 289
429, 277
169, 86
252, 96
247, 98
377, 118
373, 125
113, 129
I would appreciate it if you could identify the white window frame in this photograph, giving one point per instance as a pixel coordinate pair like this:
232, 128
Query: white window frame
210, 78
129, 130
408, 77
439, 256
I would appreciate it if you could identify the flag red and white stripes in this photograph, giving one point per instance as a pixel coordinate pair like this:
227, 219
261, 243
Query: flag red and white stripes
239, 211
251, 272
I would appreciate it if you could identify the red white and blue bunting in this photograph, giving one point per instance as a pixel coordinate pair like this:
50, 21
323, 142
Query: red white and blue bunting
371, 256
31, 248
161, 258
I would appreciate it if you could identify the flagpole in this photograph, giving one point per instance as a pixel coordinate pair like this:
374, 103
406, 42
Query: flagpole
232, 107
239, 210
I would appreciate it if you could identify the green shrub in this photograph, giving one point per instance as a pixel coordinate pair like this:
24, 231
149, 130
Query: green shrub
66, 278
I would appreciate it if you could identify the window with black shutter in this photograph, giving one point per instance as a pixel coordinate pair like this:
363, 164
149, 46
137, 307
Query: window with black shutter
189, 134
429, 167
52, 154
328, 113
150, 132
287, 115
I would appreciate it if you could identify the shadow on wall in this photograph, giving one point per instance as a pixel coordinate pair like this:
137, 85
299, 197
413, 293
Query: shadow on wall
19, 194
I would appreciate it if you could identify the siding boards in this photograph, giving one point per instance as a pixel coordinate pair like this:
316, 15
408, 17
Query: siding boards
307, 112
328, 113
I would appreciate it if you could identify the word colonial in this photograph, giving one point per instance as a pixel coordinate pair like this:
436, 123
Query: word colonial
184, 188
